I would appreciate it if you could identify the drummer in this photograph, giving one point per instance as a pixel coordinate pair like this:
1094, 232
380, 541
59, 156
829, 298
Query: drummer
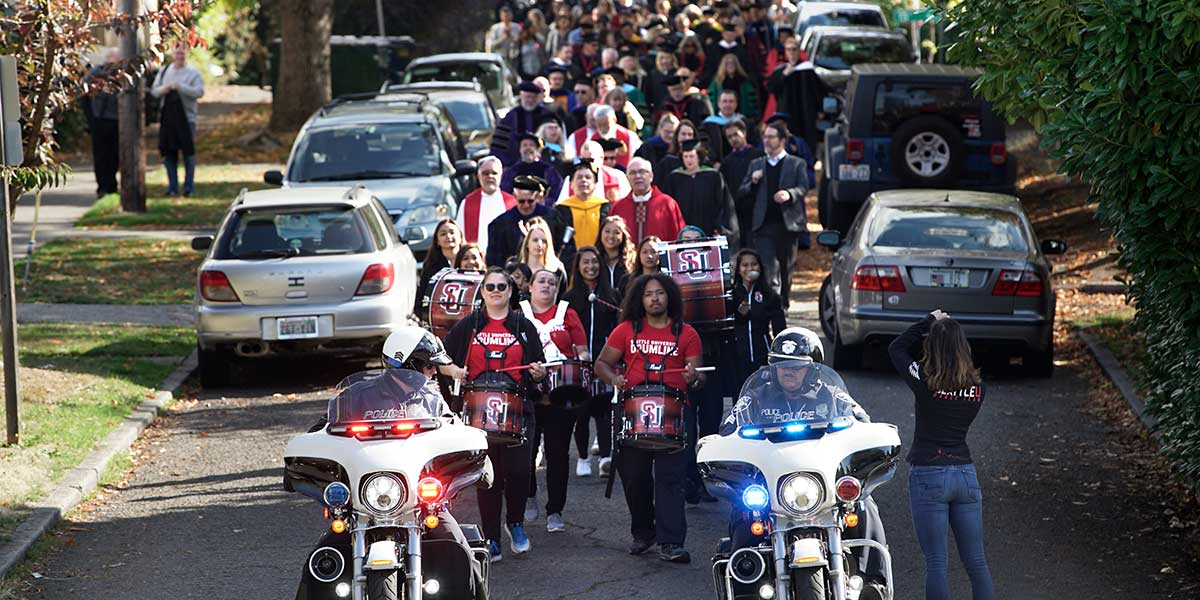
447, 237
597, 302
470, 259
657, 347
563, 337
490, 339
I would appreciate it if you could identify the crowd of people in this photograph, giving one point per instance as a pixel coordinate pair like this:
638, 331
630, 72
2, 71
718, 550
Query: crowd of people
637, 124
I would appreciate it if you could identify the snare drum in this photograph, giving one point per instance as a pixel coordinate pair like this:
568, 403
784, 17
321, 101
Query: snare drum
653, 418
701, 268
570, 382
451, 297
493, 403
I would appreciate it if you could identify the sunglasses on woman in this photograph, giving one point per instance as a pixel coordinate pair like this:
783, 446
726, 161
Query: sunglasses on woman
495, 287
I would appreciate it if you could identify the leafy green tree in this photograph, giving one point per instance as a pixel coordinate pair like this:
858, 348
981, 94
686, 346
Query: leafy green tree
1113, 86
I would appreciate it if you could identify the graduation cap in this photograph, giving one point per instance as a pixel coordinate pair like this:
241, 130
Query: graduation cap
529, 86
556, 69
532, 183
788, 29
779, 116
673, 81
615, 71
547, 117
583, 165
690, 145
611, 144
529, 136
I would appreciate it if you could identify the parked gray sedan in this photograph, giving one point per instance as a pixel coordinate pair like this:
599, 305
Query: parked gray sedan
971, 254
311, 270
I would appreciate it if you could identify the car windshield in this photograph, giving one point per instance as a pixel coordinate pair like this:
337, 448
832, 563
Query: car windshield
839, 53
487, 74
960, 228
387, 395
367, 151
287, 231
469, 116
792, 391
861, 18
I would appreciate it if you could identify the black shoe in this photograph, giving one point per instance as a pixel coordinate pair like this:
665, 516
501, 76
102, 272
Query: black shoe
673, 553
640, 546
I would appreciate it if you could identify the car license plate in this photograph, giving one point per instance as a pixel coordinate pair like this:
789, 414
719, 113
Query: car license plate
854, 172
950, 278
291, 328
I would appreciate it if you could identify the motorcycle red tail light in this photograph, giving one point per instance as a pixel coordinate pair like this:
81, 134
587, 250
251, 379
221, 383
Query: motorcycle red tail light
429, 489
848, 489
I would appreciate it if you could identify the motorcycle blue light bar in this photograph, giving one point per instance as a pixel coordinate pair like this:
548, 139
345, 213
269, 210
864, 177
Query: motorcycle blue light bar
751, 433
755, 497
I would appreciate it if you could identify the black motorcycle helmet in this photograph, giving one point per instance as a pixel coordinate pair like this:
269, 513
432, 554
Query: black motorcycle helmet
413, 348
796, 343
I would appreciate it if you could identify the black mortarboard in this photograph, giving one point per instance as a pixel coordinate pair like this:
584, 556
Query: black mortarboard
556, 69
673, 80
532, 183
529, 86
548, 117
583, 164
615, 71
611, 144
529, 136
779, 116
788, 29
689, 145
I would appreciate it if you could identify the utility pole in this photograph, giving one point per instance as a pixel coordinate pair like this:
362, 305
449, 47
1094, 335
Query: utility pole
131, 127
383, 51
10, 155
914, 31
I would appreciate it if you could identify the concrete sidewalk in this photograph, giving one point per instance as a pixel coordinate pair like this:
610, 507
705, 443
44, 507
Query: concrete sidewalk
165, 315
60, 208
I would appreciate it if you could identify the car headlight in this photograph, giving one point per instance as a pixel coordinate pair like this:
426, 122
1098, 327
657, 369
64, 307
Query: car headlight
424, 214
800, 493
383, 493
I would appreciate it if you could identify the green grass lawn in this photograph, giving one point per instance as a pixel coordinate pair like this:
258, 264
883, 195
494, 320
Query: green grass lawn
78, 381
216, 187
111, 271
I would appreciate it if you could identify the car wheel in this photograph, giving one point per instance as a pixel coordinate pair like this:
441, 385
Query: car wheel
826, 308
927, 151
216, 368
1039, 363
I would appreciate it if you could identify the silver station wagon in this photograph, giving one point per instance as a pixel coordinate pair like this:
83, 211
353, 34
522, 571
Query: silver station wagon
311, 270
971, 254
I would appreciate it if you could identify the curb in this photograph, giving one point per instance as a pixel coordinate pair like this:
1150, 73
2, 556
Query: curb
1124, 384
75, 486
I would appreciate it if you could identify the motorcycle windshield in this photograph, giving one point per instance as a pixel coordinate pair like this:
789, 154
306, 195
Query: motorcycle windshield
793, 391
387, 395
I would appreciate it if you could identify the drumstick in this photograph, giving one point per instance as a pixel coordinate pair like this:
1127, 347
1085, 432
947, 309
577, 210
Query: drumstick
548, 365
698, 370
593, 298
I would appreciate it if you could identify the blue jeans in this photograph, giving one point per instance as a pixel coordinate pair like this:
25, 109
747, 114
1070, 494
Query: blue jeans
942, 498
189, 170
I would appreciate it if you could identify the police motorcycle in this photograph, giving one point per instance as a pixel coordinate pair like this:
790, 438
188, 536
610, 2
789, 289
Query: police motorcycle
798, 460
386, 462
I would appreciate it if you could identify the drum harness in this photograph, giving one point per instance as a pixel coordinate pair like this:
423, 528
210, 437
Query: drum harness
545, 329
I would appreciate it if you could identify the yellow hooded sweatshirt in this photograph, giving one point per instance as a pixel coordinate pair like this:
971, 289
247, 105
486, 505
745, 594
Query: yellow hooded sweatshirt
585, 217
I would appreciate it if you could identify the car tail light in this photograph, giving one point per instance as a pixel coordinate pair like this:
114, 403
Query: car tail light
1018, 283
376, 280
848, 489
998, 153
429, 489
215, 287
877, 279
855, 149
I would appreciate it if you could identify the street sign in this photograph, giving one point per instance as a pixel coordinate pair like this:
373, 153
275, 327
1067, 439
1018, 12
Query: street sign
903, 16
10, 112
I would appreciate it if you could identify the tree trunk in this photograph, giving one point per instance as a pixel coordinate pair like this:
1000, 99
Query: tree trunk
131, 127
303, 85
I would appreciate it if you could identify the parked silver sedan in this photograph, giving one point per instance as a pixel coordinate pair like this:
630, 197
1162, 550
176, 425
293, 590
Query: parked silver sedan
971, 254
311, 270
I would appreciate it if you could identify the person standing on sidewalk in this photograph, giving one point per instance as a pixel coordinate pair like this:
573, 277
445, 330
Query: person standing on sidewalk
180, 87
101, 112
943, 489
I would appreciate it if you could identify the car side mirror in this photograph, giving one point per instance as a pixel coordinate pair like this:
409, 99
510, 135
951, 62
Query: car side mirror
273, 177
830, 239
829, 105
1054, 247
463, 168
202, 242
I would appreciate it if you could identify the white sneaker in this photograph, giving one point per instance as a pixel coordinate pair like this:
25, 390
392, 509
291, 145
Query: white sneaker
596, 447
583, 468
605, 466
555, 523
541, 455
532, 512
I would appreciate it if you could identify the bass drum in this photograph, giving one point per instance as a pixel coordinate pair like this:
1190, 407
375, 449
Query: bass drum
701, 268
452, 296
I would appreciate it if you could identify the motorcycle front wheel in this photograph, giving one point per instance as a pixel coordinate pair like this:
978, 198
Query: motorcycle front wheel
383, 585
808, 584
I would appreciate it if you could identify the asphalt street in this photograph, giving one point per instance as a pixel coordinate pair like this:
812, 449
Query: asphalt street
204, 514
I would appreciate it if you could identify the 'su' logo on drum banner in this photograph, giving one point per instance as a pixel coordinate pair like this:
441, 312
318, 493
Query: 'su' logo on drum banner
497, 410
694, 262
451, 298
652, 413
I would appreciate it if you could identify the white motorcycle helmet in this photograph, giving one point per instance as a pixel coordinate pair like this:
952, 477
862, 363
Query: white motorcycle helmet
413, 348
796, 343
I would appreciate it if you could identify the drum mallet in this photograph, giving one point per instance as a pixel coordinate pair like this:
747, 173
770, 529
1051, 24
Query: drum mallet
593, 298
549, 365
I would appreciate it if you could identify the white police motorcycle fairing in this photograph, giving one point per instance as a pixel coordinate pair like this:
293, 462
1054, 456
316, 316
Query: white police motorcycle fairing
386, 465
799, 475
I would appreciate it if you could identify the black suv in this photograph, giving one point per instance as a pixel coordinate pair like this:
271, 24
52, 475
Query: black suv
909, 126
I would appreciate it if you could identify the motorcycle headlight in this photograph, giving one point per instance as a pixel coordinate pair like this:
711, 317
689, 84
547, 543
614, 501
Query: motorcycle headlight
800, 493
383, 493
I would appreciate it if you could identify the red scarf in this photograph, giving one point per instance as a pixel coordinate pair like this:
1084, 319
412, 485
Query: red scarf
470, 212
